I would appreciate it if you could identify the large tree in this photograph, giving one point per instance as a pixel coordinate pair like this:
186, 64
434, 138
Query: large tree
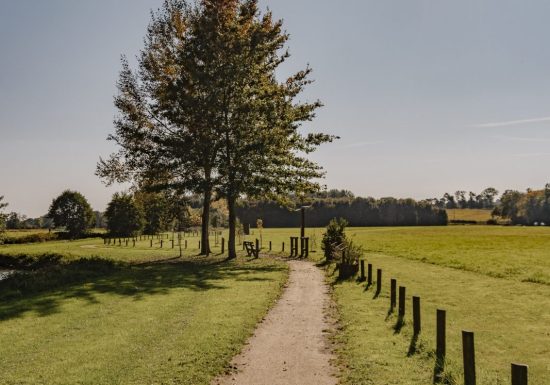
205, 113
164, 128
124, 216
72, 211
263, 151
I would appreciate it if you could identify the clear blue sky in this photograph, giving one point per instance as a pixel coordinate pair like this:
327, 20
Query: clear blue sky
428, 96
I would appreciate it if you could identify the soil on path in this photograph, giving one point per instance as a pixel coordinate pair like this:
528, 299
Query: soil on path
289, 346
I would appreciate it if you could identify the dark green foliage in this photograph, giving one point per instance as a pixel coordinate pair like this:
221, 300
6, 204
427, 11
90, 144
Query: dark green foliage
334, 237
529, 208
155, 211
2, 219
31, 238
49, 271
462, 200
124, 216
72, 211
357, 211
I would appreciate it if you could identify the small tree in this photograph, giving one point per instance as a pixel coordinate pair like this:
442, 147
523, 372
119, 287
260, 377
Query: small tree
72, 211
2, 218
334, 237
124, 216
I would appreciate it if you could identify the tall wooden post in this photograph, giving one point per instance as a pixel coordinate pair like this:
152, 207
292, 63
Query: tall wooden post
393, 294
402, 293
417, 326
468, 355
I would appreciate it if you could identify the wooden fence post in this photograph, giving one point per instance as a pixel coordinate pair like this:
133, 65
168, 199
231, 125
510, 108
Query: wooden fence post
199, 245
151, 243
362, 278
417, 326
441, 343
172, 243
519, 374
393, 294
378, 281
186, 243
258, 245
223, 245
369, 274
283, 247
269, 245
402, 293
468, 355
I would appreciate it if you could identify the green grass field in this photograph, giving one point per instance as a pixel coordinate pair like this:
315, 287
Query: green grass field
492, 280
147, 318
478, 215
137, 320
23, 233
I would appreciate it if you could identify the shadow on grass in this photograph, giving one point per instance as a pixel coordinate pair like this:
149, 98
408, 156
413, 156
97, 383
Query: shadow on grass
44, 282
398, 325
413, 346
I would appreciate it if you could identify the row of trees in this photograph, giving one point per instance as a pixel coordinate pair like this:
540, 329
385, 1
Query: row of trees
205, 114
467, 200
526, 208
356, 211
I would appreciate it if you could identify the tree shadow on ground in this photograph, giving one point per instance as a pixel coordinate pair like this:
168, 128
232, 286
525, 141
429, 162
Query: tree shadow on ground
43, 286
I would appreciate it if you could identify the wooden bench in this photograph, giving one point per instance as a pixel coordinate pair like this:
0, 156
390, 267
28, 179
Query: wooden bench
251, 250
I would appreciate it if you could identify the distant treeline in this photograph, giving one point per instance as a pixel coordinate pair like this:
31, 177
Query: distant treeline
528, 208
357, 211
467, 200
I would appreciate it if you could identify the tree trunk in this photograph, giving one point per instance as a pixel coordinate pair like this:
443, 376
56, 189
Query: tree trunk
231, 245
205, 244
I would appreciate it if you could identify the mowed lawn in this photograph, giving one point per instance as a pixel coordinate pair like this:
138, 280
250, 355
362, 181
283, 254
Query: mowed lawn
148, 318
492, 280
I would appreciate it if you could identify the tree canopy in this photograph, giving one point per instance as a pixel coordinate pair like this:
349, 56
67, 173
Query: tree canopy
206, 114
72, 211
124, 216
3, 205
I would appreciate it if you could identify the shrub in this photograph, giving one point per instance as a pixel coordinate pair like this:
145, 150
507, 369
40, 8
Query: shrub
333, 237
348, 259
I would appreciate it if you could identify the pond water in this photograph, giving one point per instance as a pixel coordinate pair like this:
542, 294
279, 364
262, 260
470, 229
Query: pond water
5, 274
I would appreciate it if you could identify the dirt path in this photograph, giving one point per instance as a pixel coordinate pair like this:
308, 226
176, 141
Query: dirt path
289, 346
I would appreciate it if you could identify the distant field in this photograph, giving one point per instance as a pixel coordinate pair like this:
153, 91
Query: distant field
24, 233
478, 215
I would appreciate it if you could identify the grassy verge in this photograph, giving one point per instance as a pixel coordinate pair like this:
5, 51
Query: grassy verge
509, 318
107, 321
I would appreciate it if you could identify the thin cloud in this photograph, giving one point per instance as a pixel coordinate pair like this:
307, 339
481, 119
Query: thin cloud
362, 144
521, 139
532, 155
511, 123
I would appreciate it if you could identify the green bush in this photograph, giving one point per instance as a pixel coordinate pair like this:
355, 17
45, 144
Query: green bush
334, 237
31, 238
